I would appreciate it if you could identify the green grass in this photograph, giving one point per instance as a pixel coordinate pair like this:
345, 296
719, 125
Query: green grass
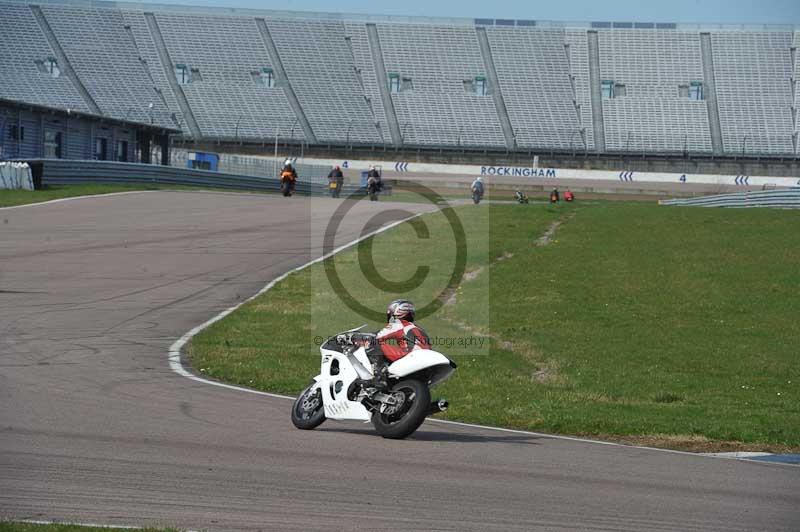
11, 198
674, 327
12, 526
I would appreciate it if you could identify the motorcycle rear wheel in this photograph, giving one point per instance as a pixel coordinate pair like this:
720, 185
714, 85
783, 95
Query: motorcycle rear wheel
401, 424
307, 411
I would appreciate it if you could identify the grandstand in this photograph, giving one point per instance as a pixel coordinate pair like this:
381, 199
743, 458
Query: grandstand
338, 80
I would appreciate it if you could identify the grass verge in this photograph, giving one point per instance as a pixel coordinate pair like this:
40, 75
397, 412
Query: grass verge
12, 198
671, 326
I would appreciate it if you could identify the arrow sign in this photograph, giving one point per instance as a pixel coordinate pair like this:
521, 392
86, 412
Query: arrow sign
626, 176
742, 180
401, 167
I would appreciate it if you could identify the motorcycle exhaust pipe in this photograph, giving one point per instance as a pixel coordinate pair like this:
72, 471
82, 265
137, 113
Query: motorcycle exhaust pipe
438, 406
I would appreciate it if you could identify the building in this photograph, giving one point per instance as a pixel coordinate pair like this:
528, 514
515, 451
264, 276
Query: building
30, 131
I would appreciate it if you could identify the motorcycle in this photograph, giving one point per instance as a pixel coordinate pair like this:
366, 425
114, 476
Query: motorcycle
287, 183
396, 402
520, 197
477, 196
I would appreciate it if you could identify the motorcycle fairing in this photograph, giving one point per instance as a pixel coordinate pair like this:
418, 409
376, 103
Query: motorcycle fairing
420, 359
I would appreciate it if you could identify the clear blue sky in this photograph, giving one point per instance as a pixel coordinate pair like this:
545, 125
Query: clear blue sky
686, 11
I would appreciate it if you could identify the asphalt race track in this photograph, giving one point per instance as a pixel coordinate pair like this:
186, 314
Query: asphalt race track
95, 427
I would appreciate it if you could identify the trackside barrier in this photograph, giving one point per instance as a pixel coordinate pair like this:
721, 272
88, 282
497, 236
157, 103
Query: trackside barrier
72, 172
779, 199
16, 176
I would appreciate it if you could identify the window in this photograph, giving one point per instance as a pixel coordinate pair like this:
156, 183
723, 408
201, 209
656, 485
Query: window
52, 144
265, 78
394, 83
16, 132
696, 90
122, 151
407, 84
182, 74
52, 67
683, 91
101, 148
607, 89
48, 66
195, 75
480, 85
619, 90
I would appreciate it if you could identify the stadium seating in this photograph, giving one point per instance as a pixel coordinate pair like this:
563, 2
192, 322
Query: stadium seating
325, 84
438, 110
320, 67
534, 77
21, 45
652, 116
753, 89
105, 59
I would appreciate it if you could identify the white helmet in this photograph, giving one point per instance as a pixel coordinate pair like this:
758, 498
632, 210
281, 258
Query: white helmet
480, 179
287, 162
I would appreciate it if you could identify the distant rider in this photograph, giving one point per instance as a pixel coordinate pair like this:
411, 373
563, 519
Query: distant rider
336, 181
374, 183
477, 186
289, 173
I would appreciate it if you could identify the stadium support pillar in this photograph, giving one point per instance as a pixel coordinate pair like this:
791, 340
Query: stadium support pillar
164, 141
383, 84
494, 85
283, 81
710, 94
594, 91
143, 138
63, 60
169, 72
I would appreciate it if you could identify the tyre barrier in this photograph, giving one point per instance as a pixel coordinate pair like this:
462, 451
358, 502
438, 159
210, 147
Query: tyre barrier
16, 176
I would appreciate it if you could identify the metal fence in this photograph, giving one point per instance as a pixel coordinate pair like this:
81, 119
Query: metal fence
256, 166
779, 199
72, 172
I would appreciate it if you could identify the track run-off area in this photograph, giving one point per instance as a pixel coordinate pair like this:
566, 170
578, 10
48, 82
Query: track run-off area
96, 427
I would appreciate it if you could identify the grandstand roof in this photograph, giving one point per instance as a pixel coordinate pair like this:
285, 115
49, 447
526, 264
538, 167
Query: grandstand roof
396, 19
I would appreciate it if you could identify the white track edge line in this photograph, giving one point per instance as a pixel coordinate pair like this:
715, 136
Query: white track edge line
71, 198
176, 365
77, 523
175, 349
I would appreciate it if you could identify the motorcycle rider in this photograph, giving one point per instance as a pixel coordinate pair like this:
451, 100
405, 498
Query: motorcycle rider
398, 338
335, 181
289, 173
400, 327
477, 186
374, 183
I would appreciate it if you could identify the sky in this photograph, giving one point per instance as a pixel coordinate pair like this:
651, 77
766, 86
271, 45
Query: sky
680, 11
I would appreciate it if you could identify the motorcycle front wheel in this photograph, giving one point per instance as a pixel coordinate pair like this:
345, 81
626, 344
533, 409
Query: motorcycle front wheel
398, 422
307, 411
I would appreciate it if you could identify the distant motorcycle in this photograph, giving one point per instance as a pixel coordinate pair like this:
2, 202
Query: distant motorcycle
396, 403
520, 197
477, 190
288, 181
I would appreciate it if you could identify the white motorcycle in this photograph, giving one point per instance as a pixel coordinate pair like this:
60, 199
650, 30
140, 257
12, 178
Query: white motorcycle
396, 398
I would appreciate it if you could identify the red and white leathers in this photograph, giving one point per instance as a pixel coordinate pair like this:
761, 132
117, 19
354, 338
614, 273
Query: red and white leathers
407, 335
